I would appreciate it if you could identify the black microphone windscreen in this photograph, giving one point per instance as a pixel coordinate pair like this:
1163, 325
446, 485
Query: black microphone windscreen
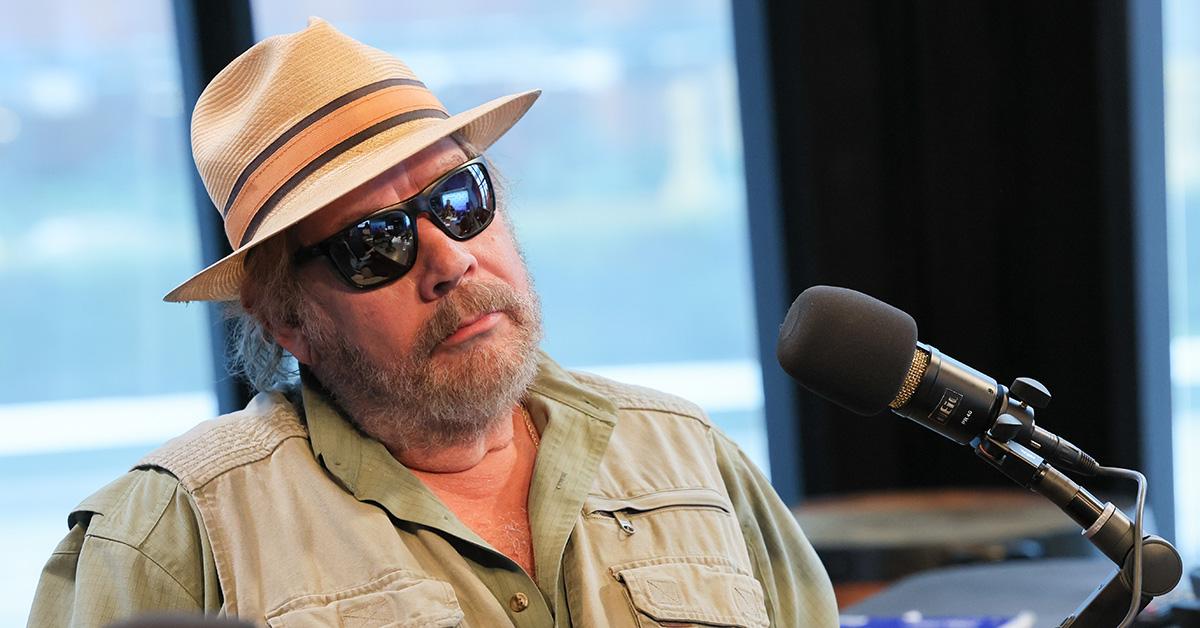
847, 347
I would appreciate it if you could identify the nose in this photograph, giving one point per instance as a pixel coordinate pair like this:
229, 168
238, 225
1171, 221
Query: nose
442, 261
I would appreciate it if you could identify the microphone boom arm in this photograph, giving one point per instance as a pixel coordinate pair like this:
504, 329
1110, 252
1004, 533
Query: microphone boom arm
1104, 525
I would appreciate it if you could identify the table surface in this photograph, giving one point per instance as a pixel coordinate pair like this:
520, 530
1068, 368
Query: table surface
940, 517
1050, 589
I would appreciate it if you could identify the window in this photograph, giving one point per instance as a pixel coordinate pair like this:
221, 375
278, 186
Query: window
97, 222
626, 175
1181, 65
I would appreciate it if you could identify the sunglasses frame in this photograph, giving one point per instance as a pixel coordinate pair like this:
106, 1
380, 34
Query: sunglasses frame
412, 207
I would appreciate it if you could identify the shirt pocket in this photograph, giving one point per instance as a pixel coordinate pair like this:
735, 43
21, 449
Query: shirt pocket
695, 521
655, 529
627, 512
399, 599
692, 592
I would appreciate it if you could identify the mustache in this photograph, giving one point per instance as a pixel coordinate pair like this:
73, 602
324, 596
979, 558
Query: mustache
465, 303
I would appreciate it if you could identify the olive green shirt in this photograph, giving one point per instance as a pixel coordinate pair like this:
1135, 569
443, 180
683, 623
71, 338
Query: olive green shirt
137, 545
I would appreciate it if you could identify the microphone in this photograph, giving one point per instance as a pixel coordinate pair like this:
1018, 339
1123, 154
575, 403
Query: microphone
863, 354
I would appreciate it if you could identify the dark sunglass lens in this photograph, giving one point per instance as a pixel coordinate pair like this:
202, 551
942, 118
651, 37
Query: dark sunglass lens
464, 202
377, 249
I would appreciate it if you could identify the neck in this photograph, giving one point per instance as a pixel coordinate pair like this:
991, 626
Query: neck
464, 456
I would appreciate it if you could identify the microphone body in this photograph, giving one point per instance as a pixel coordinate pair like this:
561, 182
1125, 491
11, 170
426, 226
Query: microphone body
863, 354
952, 398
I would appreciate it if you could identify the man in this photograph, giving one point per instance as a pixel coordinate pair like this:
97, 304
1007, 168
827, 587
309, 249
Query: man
431, 467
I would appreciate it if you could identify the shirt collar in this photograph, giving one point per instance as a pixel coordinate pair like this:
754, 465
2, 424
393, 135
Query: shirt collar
368, 470
336, 443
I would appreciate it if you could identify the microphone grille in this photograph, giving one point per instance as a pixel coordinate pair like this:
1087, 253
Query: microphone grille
912, 379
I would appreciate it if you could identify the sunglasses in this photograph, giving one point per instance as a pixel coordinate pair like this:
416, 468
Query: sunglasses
382, 247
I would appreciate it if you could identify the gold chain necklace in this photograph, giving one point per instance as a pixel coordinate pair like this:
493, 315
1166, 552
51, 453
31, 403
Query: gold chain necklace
529, 426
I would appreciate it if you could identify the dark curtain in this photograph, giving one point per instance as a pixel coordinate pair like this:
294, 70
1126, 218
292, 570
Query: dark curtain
965, 161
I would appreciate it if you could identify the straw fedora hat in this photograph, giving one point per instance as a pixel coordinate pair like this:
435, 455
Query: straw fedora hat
299, 120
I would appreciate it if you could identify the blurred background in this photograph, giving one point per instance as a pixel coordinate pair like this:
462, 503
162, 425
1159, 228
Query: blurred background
1024, 178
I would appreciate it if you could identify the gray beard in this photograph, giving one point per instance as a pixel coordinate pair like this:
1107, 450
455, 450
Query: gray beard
416, 403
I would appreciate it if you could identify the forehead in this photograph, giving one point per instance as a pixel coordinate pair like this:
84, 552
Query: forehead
395, 184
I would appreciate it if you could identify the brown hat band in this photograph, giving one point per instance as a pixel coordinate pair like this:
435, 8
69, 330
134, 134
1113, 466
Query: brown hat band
318, 139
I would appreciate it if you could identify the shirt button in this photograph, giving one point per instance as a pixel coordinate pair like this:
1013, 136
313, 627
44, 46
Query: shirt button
519, 602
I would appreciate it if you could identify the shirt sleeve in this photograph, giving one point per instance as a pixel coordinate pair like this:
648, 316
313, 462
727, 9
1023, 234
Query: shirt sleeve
795, 583
134, 547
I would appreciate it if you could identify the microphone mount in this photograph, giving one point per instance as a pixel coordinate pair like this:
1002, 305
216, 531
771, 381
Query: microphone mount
1103, 524
961, 403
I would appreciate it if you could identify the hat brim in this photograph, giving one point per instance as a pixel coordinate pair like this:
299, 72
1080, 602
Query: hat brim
480, 127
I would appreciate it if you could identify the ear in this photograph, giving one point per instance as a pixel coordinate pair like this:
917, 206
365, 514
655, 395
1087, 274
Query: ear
293, 340
287, 335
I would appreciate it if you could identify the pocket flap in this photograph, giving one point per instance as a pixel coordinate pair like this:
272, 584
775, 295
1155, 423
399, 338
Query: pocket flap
400, 599
691, 592
672, 498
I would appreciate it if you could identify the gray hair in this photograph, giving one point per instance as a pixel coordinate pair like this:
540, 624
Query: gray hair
277, 299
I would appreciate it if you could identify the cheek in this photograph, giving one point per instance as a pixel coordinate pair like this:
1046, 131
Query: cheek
380, 322
498, 256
